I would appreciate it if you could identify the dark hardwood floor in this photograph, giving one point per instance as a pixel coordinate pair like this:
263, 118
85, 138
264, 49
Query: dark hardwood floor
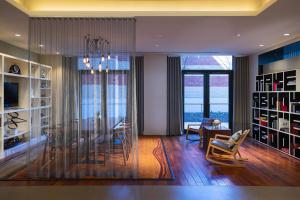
266, 167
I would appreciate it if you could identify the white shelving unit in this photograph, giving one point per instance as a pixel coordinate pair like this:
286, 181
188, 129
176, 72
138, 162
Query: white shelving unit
34, 104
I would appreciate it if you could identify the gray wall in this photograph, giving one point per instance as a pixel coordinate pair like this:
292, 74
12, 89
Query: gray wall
276, 66
17, 52
155, 94
282, 65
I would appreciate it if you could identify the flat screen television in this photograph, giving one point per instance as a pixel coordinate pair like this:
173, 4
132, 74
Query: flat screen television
11, 94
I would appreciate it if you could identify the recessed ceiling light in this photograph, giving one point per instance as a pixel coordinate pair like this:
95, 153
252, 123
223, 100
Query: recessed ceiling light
18, 35
57, 53
156, 45
261, 45
238, 35
286, 34
41, 45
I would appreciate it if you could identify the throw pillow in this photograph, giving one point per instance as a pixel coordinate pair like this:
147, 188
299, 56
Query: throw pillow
234, 138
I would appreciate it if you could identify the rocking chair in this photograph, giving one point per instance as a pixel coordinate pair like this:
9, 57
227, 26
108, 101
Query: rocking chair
228, 149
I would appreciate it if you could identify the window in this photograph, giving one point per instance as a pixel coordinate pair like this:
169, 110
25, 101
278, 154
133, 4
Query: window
114, 84
206, 62
207, 88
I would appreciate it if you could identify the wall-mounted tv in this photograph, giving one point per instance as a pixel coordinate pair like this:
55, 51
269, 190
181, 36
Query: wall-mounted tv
11, 94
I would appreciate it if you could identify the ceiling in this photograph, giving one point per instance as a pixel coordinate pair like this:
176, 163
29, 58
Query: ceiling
133, 8
231, 34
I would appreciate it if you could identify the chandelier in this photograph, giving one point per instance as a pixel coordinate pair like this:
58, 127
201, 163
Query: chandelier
99, 47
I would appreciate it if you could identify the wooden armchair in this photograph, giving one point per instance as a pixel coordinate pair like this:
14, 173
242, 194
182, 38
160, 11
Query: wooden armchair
198, 128
228, 149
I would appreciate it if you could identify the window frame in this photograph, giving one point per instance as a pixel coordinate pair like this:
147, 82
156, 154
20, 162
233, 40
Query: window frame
206, 91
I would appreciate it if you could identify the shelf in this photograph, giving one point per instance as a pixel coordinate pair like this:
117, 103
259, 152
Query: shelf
40, 97
272, 128
16, 135
16, 110
45, 79
15, 75
36, 78
40, 107
30, 83
44, 126
23, 146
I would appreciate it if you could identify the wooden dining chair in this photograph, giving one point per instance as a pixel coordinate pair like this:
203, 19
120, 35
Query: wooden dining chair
198, 128
227, 148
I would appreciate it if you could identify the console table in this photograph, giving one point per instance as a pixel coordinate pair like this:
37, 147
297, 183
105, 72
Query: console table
211, 131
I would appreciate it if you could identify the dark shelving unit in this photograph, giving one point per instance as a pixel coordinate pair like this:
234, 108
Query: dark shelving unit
276, 111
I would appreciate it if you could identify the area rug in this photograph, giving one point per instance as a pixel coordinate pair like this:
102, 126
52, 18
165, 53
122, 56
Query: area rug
149, 162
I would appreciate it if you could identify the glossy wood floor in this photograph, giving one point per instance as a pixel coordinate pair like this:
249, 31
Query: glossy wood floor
266, 167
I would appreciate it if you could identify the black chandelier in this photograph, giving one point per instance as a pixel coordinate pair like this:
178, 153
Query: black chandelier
96, 46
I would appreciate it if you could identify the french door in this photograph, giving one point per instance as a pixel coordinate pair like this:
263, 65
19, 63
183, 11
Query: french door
207, 94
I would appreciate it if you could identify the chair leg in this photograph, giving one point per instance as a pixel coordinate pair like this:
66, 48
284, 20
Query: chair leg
124, 151
201, 134
240, 157
187, 134
207, 151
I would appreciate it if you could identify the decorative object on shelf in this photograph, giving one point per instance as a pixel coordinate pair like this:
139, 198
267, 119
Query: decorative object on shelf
295, 128
10, 132
283, 125
43, 114
12, 142
264, 137
44, 85
44, 131
275, 84
43, 103
96, 46
13, 120
283, 107
43, 73
216, 123
14, 69
263, 121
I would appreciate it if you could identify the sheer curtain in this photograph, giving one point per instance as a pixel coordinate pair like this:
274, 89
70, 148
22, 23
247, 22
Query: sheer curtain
93, 131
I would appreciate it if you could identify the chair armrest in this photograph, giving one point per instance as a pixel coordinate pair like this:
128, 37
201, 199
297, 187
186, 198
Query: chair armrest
194, 125
217, 136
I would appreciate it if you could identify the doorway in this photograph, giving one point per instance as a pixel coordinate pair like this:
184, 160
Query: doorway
207, 94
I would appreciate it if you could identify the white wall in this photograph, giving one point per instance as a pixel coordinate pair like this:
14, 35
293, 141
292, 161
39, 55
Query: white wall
155, 94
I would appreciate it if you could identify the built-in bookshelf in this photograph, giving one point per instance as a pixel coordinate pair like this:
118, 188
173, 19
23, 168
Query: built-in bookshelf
276, 111
31, 94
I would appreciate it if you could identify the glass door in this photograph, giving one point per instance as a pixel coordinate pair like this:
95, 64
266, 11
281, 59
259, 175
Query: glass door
207, 94
219, 97
193, 98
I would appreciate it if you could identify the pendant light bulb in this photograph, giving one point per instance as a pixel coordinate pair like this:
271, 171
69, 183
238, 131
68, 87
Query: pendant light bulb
88, 65
102, 58
92, 71
108, 56
100, 67
84, 60
106, 69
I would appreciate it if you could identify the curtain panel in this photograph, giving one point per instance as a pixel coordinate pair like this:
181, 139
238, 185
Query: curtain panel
93, 132
139, 63
174, 96
241, 113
